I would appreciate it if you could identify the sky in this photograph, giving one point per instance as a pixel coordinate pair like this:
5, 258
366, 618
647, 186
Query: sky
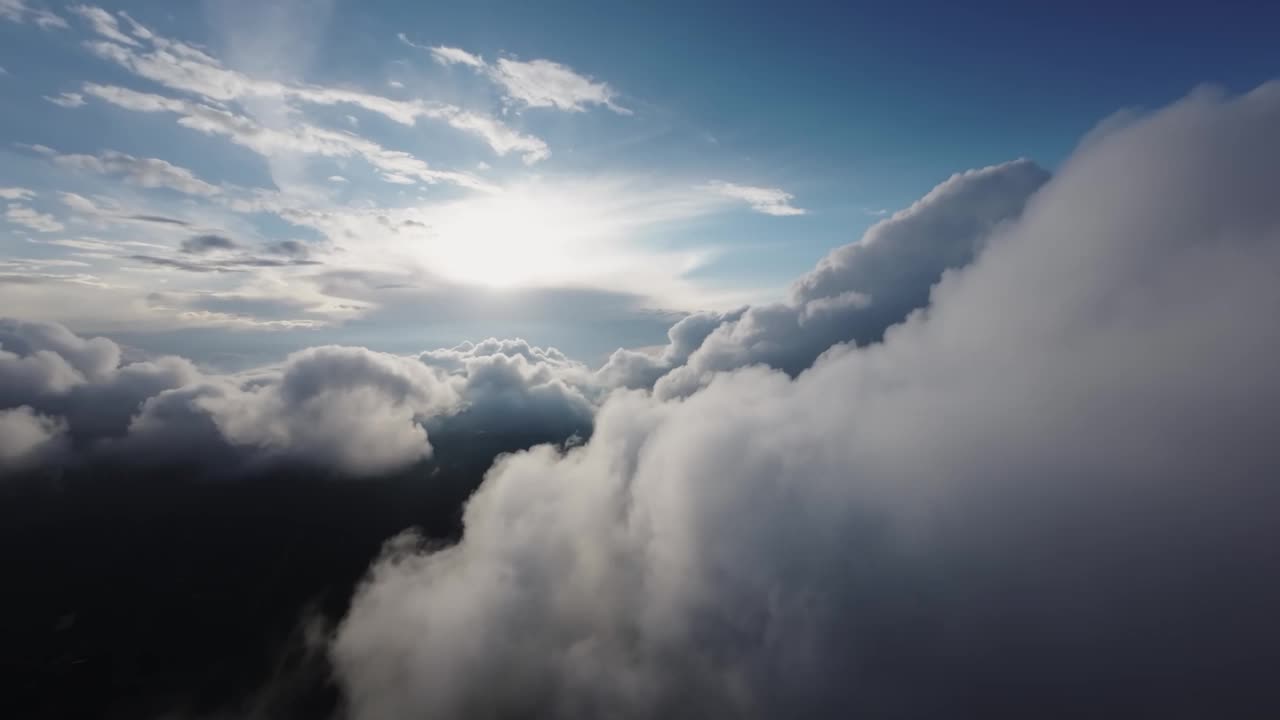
410, 175
384, 360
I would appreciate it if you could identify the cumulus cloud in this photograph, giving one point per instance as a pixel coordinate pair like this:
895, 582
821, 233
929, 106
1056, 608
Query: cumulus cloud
26, 438
854, 293
341, 410
769, 201
346, 409
1051, 493
510, 386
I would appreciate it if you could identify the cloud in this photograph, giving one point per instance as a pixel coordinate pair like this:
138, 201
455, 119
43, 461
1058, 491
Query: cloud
543, 83
27, 217
19, 11
396, 166
769, 201
144, 172
66, 99
104, 24
188, 69
533, 83
346, 411
16, 193
451, 55
200, 244
27, 438
1054, 488
854, 294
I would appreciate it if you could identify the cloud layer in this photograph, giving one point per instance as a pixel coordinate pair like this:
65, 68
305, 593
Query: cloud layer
347, 411
1051, 494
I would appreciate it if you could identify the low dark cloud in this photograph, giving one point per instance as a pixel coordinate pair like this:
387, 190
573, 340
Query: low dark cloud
159, 219
200, 244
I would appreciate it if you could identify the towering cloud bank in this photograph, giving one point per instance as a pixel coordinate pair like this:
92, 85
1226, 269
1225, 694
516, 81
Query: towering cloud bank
854, 293
67, 401
1053, 493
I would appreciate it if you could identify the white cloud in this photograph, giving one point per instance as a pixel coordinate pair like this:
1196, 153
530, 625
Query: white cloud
16, 193
533, 83
144, 172
337, 179
853, 295
396, 166
188, 69
19, 11
770, 201
27, 438
453, 56
395, 84
336, 409
1073, 445
66, 99
543, 83
27, 217
104, 24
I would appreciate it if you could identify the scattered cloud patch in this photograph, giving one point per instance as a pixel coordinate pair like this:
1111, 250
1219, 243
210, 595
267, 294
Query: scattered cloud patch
32, 219
16, 193
66, 99
104, 24
19, 11
144, 172
766, 200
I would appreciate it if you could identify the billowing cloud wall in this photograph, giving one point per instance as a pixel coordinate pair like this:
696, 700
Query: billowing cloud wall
854, 293
1052, 494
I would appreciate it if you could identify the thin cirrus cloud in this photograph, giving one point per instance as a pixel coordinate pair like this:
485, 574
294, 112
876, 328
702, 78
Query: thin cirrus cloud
765, 200
144, 172
20, 11
534, 83
66, 99
182, 67
32, 219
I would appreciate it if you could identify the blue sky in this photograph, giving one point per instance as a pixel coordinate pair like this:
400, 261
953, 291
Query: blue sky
236, 179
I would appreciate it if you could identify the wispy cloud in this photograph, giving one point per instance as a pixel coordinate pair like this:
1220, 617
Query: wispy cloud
144, 172
16, 193
187, 69
19, 11
770, 201
66, 99
395, 166
103, 23
533, 83
29, 218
